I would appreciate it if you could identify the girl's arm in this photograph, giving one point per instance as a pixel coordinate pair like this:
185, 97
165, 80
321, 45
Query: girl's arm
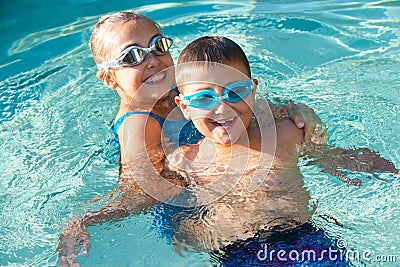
74, 239
140, 138
142, 162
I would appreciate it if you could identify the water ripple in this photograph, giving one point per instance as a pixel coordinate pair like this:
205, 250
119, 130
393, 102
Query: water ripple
34, 39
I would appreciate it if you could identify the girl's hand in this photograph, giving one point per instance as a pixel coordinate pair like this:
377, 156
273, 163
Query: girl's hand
305, 117
74, 240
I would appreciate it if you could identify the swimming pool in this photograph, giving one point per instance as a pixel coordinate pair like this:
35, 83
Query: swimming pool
341, 58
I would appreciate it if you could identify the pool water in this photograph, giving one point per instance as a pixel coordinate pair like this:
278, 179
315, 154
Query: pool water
340, 58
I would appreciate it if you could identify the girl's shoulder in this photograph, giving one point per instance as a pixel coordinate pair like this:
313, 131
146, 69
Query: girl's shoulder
137, 118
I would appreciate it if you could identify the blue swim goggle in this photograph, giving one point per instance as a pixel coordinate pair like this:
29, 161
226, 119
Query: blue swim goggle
208, 98
134, 55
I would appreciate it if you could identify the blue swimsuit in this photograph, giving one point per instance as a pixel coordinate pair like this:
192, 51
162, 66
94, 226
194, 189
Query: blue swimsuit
188, 134
117, 124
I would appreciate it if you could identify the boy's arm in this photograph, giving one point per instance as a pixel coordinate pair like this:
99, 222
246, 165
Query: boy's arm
334, 160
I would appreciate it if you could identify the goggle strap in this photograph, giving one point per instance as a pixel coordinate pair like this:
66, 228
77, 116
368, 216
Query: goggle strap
107, 65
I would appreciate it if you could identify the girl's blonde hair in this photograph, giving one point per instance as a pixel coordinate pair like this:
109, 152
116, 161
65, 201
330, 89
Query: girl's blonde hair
99, 43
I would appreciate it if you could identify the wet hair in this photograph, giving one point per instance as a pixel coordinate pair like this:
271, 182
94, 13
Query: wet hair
214, 49
99, 42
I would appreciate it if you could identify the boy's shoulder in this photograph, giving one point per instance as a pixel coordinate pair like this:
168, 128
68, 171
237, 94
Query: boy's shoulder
288, 135
283, 134
286, 129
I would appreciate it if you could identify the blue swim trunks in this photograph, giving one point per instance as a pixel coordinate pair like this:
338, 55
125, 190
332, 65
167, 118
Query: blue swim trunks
302, 246
305, 245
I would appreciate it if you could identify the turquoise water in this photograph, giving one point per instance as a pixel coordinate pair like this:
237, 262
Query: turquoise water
341, 58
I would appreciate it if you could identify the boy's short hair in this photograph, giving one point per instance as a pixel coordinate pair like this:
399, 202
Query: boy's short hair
214, 49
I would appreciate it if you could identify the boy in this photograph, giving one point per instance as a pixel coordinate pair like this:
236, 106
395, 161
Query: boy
243, 174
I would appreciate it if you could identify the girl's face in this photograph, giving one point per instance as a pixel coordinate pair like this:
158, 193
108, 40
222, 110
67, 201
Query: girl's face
226, 122
146, 82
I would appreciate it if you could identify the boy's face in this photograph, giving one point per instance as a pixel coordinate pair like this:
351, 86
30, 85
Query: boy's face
226, 121
140, 32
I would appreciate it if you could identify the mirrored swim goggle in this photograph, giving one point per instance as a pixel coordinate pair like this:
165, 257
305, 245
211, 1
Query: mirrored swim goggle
134, 55
208, 98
